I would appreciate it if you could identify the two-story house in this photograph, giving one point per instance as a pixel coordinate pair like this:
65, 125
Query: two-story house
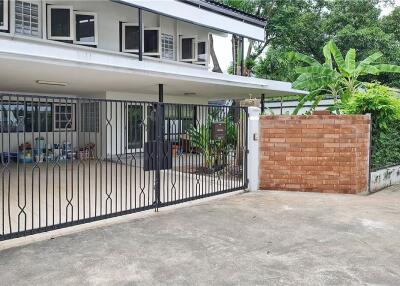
79, 83
123, 50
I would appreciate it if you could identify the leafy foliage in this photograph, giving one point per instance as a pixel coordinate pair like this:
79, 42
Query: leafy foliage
304, 26
386, 148
338, 76
214, 151
377, 100
384, 107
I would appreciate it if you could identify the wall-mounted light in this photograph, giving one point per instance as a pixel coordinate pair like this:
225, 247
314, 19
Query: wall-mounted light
190, 93
54, 83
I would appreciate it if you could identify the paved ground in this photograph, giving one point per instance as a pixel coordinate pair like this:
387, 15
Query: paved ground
268, 238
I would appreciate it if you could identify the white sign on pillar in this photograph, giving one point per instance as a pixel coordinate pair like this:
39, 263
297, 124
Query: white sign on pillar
253, 158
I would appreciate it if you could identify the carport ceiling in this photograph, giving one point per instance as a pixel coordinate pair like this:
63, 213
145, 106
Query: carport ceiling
21, 75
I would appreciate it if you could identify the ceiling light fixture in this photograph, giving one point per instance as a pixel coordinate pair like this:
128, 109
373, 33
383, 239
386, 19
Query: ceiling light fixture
55, 83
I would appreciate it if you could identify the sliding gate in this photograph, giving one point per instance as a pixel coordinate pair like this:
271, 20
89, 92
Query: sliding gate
67, 161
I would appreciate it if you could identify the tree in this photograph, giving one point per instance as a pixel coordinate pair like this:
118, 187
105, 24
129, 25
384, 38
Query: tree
217, 67
281, 17
338, 76
295, 26
390, 23
305, 26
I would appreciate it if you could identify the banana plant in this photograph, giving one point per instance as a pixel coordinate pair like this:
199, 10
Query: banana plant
338, 76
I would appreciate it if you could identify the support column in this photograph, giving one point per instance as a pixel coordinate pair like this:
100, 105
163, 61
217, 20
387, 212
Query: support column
262, 103
161, 93
159, 145
253, 158
242, 56
140, 11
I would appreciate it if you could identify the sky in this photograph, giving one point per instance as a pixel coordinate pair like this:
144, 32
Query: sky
223, 46
386, 10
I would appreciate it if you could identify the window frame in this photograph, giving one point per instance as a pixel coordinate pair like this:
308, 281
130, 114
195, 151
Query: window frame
87, 109
96, 31
206, 53
39, 5
194, 59
30, 110
73, 117
6, 12
124, 25
173, 47
158, 29
71, 37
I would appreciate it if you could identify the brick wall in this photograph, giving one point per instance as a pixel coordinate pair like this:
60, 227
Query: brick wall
317, 153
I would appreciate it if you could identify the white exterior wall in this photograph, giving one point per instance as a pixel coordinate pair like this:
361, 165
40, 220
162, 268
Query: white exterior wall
109, 16
385, 178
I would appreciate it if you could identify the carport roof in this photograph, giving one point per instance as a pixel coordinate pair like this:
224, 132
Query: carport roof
105, 71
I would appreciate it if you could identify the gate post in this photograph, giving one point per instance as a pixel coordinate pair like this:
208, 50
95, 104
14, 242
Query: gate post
158, 148
253, 157
159, 145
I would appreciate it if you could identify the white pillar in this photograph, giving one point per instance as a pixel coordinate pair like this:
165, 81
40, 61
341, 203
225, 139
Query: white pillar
253, 158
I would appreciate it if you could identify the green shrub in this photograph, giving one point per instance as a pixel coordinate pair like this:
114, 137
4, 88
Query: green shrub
379, 101
384, 107
386, 149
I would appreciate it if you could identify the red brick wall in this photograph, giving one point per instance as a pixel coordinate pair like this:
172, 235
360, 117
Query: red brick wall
317, 153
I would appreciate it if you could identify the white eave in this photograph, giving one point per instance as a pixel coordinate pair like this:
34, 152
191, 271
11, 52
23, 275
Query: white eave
198, 16
45, 52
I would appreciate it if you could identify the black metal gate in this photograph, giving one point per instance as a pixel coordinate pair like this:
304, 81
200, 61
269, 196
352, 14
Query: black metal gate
67, 161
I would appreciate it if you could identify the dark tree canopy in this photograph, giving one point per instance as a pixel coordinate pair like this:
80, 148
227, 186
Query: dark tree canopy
306, 25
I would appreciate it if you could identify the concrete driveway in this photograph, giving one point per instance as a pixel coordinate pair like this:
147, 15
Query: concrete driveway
266, 238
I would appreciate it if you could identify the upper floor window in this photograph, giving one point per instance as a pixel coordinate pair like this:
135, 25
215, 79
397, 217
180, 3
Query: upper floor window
86, 28
167, 45
188, 51
3, 14
130, 37
27, 18
201, 53
151, 39
60, 23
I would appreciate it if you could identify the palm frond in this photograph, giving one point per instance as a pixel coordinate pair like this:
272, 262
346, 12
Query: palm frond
350, 61
337, 55
306, 59
386, 68
328, 56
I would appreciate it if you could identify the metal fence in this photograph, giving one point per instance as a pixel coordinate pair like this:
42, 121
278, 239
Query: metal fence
66, 160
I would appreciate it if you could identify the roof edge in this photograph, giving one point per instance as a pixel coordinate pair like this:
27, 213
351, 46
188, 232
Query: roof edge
228, 11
